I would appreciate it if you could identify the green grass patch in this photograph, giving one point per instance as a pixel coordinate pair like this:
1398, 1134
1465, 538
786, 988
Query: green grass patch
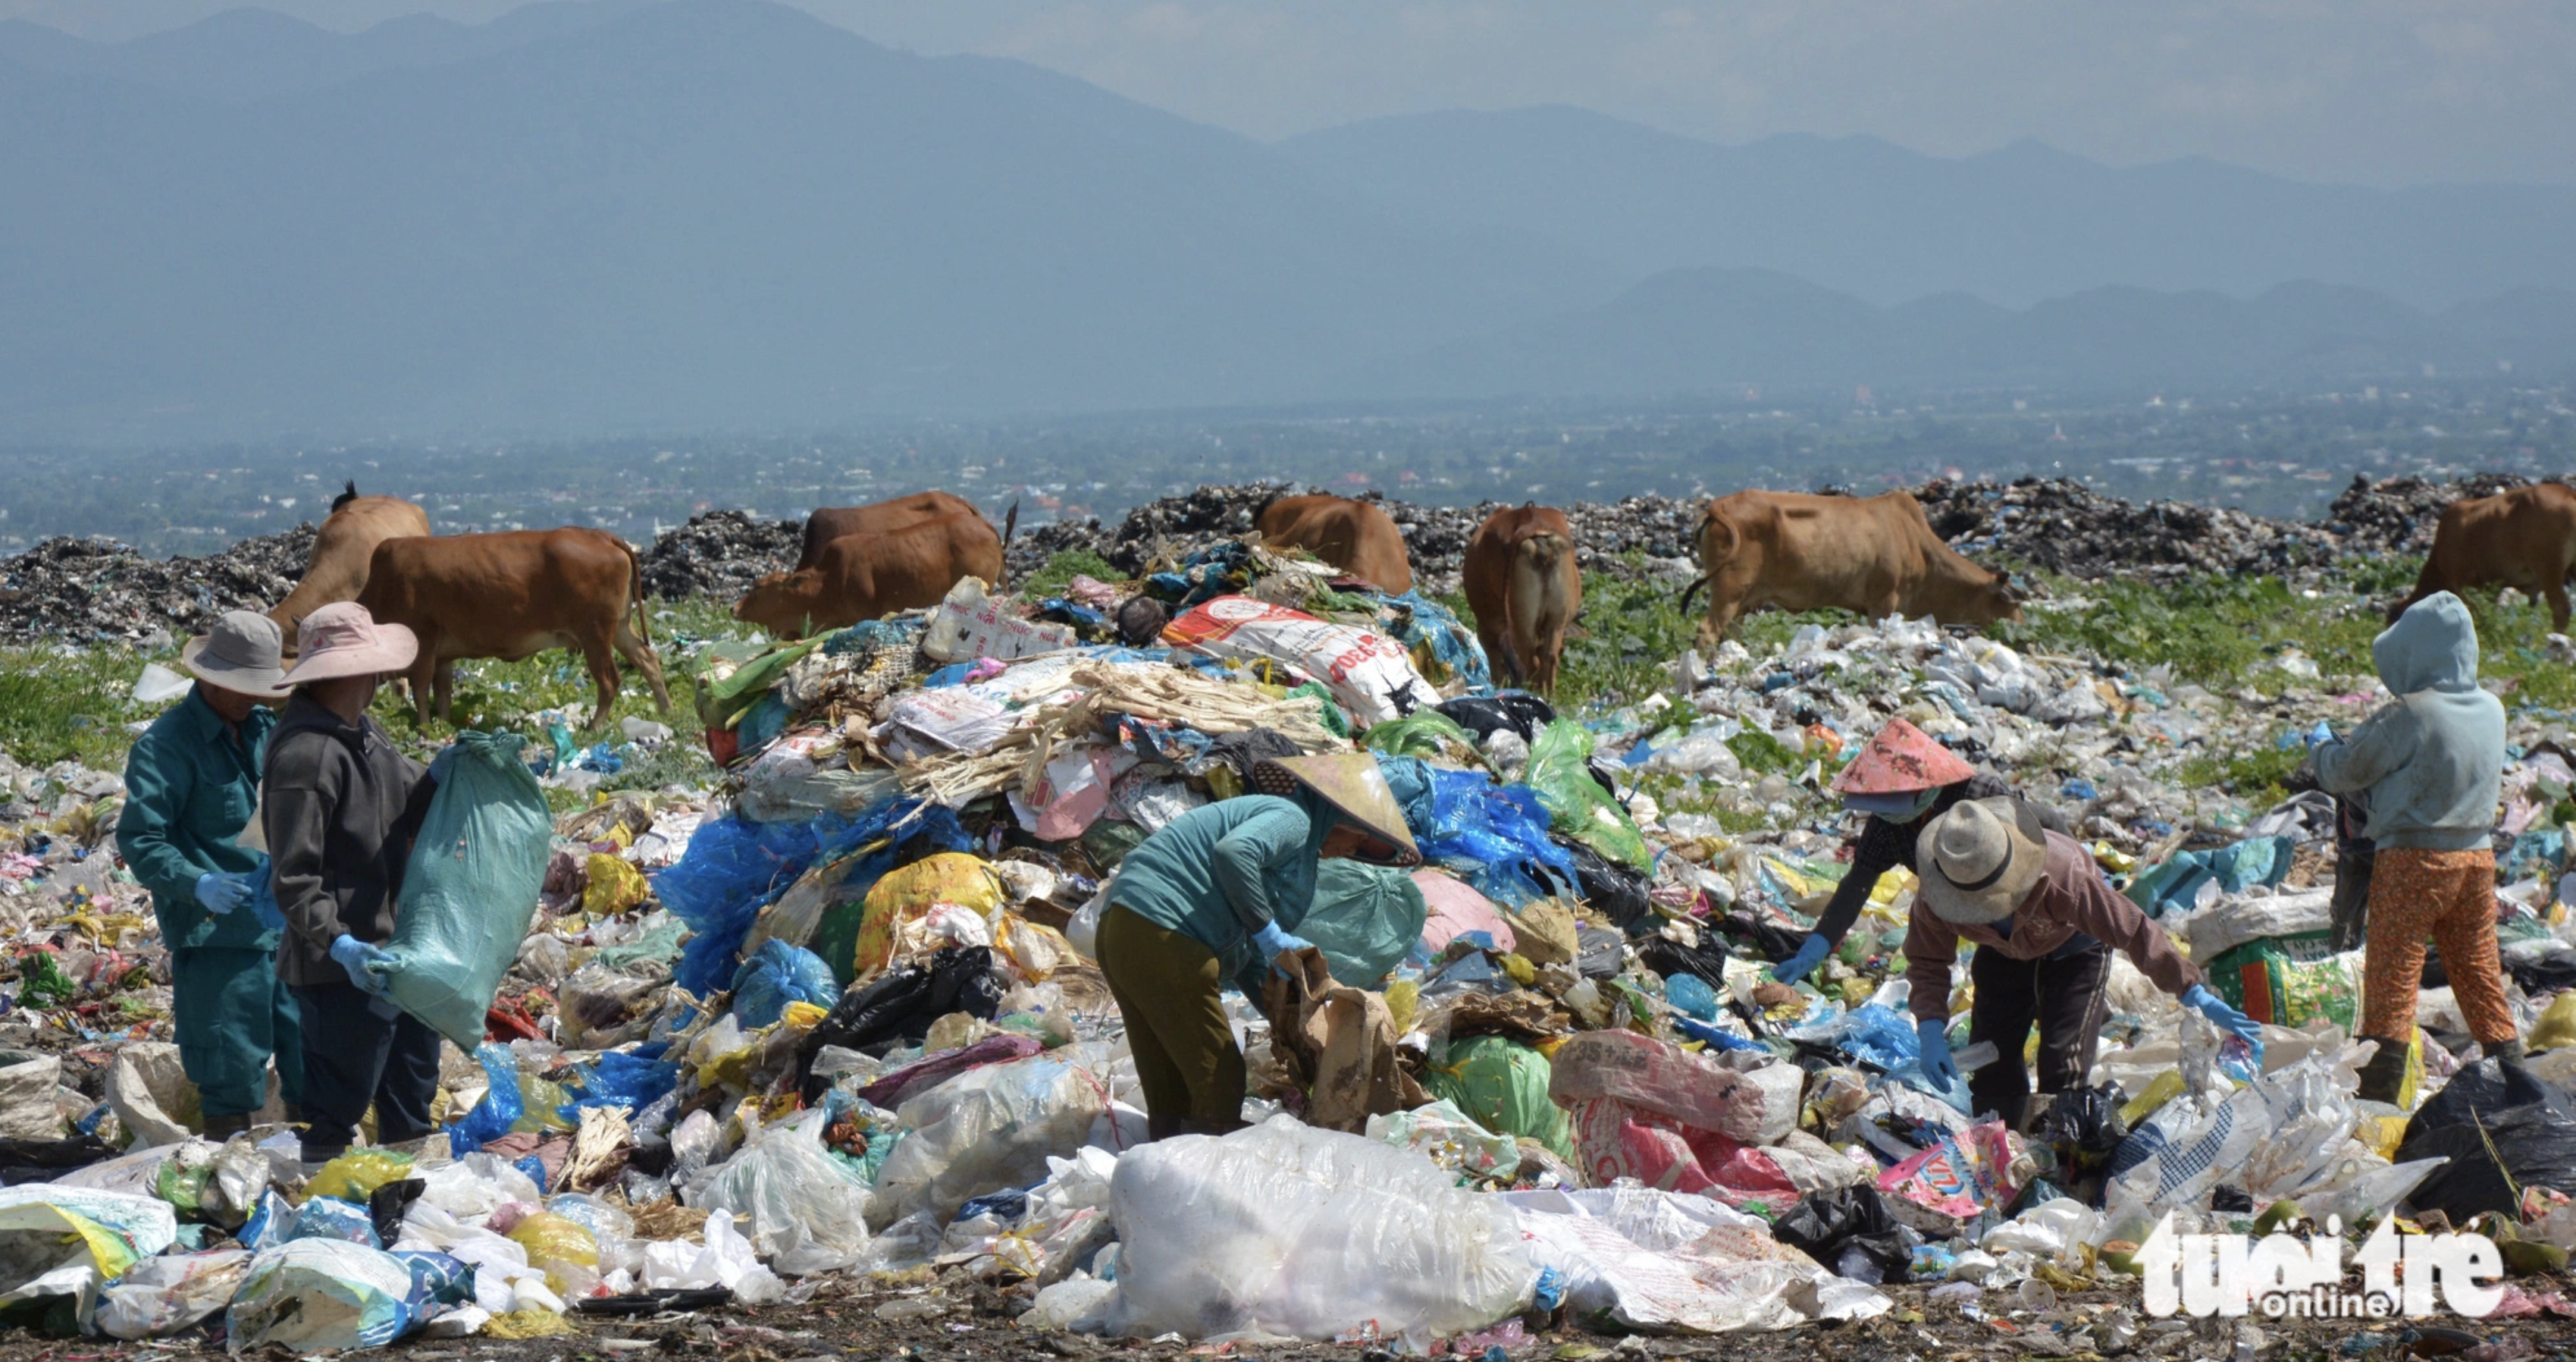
2260, 776
1063, 567
72, 706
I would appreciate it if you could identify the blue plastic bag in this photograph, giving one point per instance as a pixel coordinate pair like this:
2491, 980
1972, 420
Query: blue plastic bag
1494, 837
732, 868
778, 974
328, 1217
633, 1082
470, 889
500, 1108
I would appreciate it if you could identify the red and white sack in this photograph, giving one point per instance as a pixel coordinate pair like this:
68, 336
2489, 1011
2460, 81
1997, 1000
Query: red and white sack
1365, 670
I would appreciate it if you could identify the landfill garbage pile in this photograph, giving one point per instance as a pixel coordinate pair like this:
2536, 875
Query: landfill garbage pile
2397, 515
719, 554
836, 1027
2063, 526
98, 589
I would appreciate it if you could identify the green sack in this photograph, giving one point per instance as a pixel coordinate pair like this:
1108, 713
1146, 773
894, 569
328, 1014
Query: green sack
470, 889
1503, 1084
1365, 919
1423, 733
1560, 770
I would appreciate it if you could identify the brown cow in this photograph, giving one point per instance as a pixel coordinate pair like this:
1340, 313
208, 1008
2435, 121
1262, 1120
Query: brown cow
832, 522
1354, 536
864, 576
336, 569
1523, 584
1875, 556
513, 595
2524, 538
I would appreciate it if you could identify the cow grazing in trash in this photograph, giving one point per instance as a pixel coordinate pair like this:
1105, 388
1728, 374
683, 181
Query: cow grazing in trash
868, 575
2525, 538
836, 522
1354, 536
1876, 556
1522, 582
513, 595
336, 569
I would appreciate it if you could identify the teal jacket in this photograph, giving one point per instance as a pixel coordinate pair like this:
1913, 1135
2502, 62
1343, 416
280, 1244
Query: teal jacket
1222, 871
191, 786
2432, 758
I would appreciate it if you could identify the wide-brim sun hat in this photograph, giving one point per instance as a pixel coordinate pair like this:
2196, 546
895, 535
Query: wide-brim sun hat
1976, 863
1352, 783
243, 654
1901, 759
342, 640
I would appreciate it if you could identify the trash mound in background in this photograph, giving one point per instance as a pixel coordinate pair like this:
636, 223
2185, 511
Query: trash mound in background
719, 554
98, 589
2397, 515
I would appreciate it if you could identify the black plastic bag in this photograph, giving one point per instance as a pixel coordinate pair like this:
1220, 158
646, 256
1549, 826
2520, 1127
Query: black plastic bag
1669, 958
2084, 1130
1482, 715
1770, 940
46, 1160
1611, 889
386, 1204
1852, 1232
2490, 1157
2484, 1089
898, 1006
1598, 952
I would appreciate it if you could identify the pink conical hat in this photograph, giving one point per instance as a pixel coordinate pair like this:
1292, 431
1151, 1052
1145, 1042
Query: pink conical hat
1900, 760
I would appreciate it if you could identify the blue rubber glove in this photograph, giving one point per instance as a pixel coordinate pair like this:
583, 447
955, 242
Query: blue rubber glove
1932, 1037
1799, 966
2228, 1019
1275, 943
357, 957
445, 760
221, 893
2320, 735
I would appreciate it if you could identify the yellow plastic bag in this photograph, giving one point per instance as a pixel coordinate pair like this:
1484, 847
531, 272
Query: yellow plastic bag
1033, 949
562, 1250
2557, 1024
355, 1176
909, 894
615, 886
540, 1098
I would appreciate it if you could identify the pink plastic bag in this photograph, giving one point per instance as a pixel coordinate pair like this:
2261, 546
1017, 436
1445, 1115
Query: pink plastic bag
1961, 1176
1662, 1077
1614, 1140
1456, 908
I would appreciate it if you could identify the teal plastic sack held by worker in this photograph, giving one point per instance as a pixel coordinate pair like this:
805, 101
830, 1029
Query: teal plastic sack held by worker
471, 888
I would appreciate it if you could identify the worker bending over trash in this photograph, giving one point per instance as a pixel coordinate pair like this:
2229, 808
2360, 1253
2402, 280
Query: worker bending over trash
2431, 761
2044, 922
341, 807
1211, 899
191, 785
1902, 781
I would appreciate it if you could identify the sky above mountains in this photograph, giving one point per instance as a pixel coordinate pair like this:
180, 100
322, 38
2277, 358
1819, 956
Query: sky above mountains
2380, 92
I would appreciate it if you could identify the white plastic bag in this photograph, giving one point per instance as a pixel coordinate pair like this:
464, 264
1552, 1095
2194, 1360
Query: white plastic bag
1670, 1260
806, 1214
724, 1260
1290, 1230
165, 1295
320, 1295
985, 1130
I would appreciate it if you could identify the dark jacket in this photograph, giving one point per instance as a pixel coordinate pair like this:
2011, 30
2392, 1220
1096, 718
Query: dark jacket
1883, 846
191, 785
340, 805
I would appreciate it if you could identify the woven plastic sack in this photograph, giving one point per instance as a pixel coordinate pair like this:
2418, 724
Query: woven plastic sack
471, 888
1560, 769
910, 897
1365, 919
1286, 1229
1369, 673
1455, 909
44, 1227
321, 1295
1502, 1084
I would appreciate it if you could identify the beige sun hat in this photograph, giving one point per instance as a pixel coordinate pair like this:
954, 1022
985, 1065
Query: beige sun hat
241, 654
1352, 783
1979, 861
342, 639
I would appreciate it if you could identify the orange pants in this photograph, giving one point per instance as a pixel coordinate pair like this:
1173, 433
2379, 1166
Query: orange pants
2449, 896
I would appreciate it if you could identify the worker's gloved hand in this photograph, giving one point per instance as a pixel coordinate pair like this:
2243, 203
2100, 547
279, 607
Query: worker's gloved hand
2226, 1018
1799, 966
1275, 943
1932, 1037
356, 956
445, 761
2320, 735
221, 893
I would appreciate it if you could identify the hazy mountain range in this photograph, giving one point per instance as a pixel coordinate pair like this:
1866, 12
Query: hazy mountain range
638, 214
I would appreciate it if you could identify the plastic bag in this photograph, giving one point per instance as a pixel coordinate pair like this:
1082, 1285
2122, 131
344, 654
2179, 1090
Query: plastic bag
807, 1215
1502, 1085
1449, 1137
1668, 1261
1423, 733
1752, 1107
733, 867
1560, 769
1285, 1229
355, 1175
1851, 1231
900, 1004
321, 1295
1494, 837
45, 1229
725, 1260
2502, 1130
500, 1108
613, 886
1453, 909
902, 907
329, 1217
986, 1129
165, 1295
566, 1252
1364, 918
1369, 673
778, 974
471, 888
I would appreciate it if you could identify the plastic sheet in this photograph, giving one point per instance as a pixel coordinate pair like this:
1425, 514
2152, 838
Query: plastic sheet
1560, 769
732, 868
1669, 1261
471, 888
1502, 1085
991, 1127
1494, 837
161, 1296
1286, 1229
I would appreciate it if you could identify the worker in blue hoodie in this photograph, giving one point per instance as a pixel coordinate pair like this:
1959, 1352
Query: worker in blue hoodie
2431, 761
1214, 898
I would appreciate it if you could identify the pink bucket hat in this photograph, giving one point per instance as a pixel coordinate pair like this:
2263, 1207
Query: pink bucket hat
1902, 759
342, 639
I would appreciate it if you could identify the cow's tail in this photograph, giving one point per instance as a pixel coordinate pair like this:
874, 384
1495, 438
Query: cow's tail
1010, 526
1692, 590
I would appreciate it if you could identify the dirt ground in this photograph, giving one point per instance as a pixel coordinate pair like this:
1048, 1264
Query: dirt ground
977, 1323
